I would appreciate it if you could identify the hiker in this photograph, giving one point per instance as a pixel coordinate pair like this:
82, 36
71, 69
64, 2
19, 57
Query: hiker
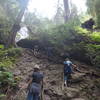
68, 70
36, 50
35, 84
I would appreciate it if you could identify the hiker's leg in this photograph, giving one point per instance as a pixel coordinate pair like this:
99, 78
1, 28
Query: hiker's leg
65, 79
29, 96
36, 97
69, 80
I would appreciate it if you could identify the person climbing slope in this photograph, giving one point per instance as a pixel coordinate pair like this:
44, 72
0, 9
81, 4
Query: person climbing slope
35, 85
36, 50
68, 70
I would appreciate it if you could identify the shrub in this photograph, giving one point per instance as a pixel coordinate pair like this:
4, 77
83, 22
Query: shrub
6, 79
1, 46
82, 31
2, 53
6, 63
95, 36
11, 52
14, 51
93, 52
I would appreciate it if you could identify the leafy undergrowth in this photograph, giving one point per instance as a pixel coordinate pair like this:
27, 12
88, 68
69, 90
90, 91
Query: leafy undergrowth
93, 52
7, 58
95, 36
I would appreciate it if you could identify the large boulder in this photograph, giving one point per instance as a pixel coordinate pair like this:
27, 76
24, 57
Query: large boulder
88, 24
26, 43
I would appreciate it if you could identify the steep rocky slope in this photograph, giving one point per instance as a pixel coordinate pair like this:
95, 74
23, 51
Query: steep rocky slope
85, 86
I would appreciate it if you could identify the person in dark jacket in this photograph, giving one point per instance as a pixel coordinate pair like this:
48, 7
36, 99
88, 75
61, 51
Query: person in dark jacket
35, 84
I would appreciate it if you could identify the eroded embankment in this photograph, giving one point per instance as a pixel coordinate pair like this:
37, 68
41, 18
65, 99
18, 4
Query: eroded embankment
83, 84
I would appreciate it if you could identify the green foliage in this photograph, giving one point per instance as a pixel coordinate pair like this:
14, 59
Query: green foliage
93, 52
97, 10
9, 10
7, 59
6, 63
2, 53
77, 41
4, 30
73, 40
82, 31
94, 9
1, 46
61, 33
8, 56
6, 79
14, 51
11, 52
95, 36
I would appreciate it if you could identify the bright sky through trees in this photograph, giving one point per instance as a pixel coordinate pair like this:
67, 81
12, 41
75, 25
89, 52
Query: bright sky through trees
47, 8
81, 5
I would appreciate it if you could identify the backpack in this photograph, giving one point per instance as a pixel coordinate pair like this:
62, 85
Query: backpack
67, 68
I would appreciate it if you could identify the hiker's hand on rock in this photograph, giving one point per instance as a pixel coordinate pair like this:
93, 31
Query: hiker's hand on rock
75, 66
25, 86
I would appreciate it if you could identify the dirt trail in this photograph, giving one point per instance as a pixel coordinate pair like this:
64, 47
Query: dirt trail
53, 86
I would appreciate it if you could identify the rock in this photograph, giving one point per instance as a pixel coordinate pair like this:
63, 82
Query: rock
53, 79
52, 92
18, 72
71, 92
78, 99
53, 82
79, 77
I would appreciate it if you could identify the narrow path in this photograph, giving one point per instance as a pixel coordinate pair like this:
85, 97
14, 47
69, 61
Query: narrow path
53, 79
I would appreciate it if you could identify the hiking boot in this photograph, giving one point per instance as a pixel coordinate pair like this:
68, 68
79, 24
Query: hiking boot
69, 84
64, 84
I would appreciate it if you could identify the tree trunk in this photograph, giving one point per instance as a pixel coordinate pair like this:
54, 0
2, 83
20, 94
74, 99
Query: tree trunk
67, 11
16, 25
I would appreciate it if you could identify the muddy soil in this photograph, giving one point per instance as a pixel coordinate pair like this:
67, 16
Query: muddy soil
82, 87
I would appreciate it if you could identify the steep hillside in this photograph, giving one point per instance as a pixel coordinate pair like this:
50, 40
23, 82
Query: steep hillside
85, 85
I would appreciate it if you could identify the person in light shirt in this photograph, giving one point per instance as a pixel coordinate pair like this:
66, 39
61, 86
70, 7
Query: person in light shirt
68, 70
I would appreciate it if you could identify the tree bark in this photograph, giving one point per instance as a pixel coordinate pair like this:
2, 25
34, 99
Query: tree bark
67, 10
16, 25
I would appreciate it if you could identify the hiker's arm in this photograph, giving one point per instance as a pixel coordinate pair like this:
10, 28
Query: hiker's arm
73, 67
42, 83
27, 84
76, 68
30, 81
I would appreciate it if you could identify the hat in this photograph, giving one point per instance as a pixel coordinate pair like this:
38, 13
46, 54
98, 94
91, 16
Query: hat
36, 67
67, 58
